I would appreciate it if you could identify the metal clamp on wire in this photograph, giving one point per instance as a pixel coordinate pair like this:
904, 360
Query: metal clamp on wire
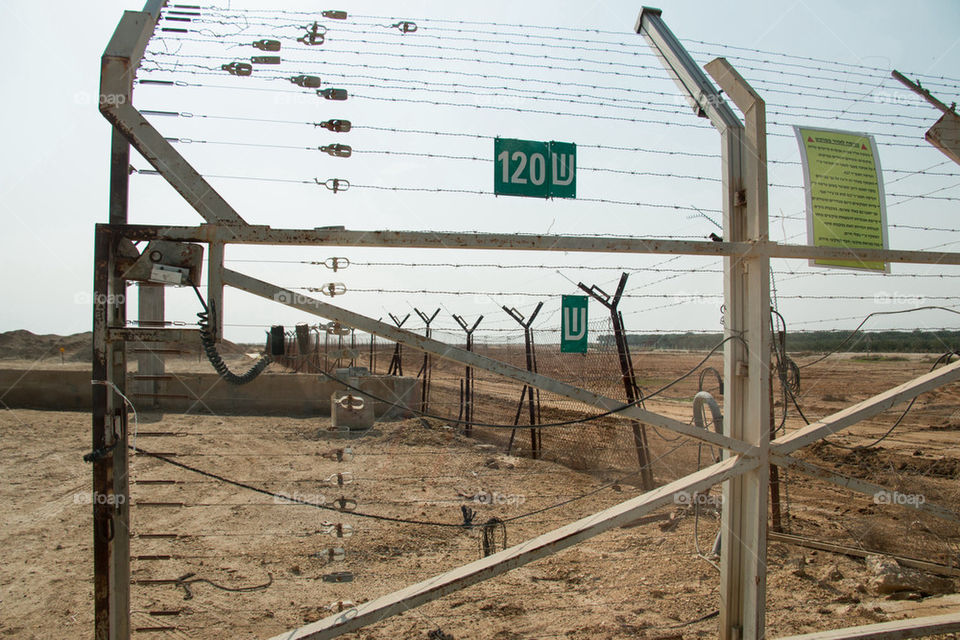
265, 60
333, 554
336, 263
334, 15
338, 576
305, 81
340, 455
337, 126
341, 605
405, 27
340, 479
337, 529
336, 329
334, 184
337, 150
331, 289
351, 403
267, 45
314, 36
345, 504
333, 94
238, 68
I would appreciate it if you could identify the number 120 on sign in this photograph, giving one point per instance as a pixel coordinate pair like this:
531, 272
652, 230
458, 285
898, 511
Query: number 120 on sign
535, 169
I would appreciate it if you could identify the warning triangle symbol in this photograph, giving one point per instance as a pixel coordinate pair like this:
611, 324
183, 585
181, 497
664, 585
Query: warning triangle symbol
863, 147
809, 139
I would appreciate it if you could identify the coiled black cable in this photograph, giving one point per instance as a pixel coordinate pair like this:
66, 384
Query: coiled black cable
213, 355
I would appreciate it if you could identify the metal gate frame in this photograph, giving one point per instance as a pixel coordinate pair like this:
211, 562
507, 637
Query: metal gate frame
746, 250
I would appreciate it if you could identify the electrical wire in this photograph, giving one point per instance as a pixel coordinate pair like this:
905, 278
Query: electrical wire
859, 326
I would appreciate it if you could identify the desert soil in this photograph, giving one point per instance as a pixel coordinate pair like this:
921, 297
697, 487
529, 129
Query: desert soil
645, 580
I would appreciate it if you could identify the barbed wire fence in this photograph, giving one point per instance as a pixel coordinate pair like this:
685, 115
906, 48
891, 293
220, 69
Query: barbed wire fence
212, 93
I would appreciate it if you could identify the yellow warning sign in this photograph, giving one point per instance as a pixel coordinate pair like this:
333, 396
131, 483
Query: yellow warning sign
846, 206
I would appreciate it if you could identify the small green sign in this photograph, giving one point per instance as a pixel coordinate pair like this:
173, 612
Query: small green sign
573, 324
534, 169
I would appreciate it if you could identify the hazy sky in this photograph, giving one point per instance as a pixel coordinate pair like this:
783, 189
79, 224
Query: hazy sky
55, 172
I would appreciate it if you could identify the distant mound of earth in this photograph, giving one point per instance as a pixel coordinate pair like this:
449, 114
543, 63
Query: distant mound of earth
25, 345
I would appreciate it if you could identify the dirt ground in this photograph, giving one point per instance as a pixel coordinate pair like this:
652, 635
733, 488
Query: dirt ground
640, 581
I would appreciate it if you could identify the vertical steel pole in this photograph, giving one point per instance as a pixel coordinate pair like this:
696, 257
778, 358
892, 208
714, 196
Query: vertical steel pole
747, 299
111, 495
743, 555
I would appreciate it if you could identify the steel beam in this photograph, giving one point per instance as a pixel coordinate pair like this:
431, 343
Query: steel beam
743, 567
906, 628
111, 514
519, 555
339, 237
469, 358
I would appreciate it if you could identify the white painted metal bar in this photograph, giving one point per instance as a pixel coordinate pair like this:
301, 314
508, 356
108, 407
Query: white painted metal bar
339, 237
456, 354
868, 408
907, 628
743, 553
860, 486
546, 544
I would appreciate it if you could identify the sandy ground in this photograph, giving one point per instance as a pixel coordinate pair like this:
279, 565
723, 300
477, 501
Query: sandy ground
643, 581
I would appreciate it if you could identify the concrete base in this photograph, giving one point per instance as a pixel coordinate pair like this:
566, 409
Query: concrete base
271, 394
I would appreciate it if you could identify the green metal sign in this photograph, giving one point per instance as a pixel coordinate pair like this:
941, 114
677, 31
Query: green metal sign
573, 324
534, 169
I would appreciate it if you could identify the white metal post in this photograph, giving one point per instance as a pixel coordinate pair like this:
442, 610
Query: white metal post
747, 302
747, 295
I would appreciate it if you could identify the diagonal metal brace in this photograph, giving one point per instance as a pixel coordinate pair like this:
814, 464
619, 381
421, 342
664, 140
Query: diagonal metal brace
449, 352
117, 69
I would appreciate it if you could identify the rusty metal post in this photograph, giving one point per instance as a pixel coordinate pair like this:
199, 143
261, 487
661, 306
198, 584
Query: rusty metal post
396, 362
466, 396
531, 393
111, 496
776, 523
427, 366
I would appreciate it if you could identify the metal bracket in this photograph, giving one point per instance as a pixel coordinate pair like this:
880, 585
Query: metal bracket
333, 94
334, 184
307, 82
405, 27
337, 126
336, 262
337, 150
314, 35
331, 289
238, 68
334, 15
267, 45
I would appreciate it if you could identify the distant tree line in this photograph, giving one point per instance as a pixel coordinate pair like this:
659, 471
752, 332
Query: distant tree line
916, 341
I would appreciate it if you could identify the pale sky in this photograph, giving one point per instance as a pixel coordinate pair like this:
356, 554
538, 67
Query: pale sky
55, 172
